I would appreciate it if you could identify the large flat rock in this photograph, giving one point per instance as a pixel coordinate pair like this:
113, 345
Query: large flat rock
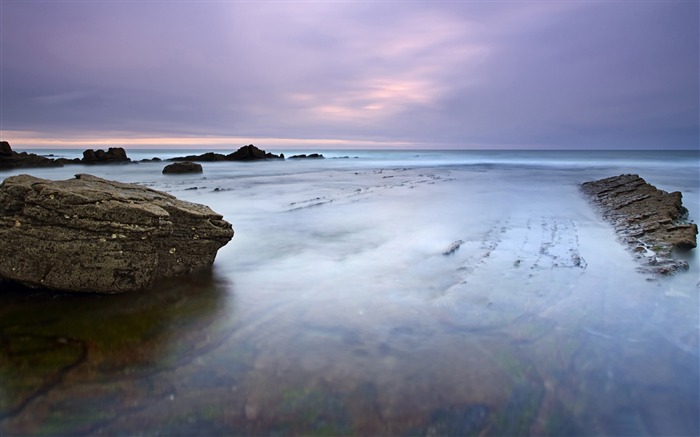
653, 222
94, 235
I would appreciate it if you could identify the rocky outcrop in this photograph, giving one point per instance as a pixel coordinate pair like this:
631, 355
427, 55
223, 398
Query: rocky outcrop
93, 235
204, 157
114, 155
251, 153
305, 156
245, 153
182, 167
5, 149
653, 222
11, 159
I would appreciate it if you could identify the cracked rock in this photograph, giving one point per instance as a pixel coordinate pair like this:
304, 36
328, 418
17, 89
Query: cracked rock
94, 235
653, 222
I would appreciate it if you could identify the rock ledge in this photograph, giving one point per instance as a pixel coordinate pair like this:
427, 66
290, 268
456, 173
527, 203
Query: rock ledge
653, 222
93, 235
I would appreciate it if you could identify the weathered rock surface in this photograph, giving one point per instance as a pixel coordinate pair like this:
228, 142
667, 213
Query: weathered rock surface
653, 222
182, 167
111, 156
245, 153
11, 159
93, 235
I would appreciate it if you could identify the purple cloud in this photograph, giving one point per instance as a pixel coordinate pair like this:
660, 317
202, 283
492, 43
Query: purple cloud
433, 74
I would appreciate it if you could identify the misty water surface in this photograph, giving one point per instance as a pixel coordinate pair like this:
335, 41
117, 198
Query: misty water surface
402, 293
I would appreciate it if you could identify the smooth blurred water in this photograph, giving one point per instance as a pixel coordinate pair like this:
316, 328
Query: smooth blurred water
334, 309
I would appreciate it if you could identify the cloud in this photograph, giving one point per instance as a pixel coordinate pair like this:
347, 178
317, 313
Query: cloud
567, 74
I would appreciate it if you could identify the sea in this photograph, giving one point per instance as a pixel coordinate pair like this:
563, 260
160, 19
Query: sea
375, 292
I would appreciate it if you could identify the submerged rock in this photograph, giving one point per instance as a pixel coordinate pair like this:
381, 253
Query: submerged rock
457, 421
653, 222
452, 248
94, 235
182, 167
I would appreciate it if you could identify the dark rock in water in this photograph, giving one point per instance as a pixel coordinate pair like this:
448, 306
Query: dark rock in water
93, 235
454, 247
305, 156
182, 167
11, 159
5, 149
205, 157
245, 153
653, 222
251, 153
111, 156
65, 161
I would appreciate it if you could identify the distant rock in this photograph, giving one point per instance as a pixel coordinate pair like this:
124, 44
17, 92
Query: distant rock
94, 235
653, 222
205, 157
245, 153
5, 149
251, 153
305, 156
11, 159
66, 161
113, 155
182, 167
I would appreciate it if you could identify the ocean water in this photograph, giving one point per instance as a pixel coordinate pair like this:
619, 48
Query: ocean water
376, 293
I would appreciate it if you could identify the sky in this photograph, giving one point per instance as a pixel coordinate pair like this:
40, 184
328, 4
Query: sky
335, 74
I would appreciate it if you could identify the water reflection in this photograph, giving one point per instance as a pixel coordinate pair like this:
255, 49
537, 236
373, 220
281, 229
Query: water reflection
75, 362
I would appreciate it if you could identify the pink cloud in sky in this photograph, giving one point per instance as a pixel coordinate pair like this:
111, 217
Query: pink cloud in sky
449, 74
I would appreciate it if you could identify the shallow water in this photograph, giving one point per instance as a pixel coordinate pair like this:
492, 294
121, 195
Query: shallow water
336, 310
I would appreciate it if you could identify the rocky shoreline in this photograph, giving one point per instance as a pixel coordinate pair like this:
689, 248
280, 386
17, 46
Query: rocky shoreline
652, 222
9, 159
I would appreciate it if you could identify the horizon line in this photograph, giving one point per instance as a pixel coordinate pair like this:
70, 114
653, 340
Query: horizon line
26, 140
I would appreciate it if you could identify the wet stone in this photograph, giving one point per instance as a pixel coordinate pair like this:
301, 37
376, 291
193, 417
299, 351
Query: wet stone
653, 222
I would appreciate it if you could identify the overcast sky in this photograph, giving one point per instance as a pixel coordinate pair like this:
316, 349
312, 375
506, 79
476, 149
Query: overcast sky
457, 74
